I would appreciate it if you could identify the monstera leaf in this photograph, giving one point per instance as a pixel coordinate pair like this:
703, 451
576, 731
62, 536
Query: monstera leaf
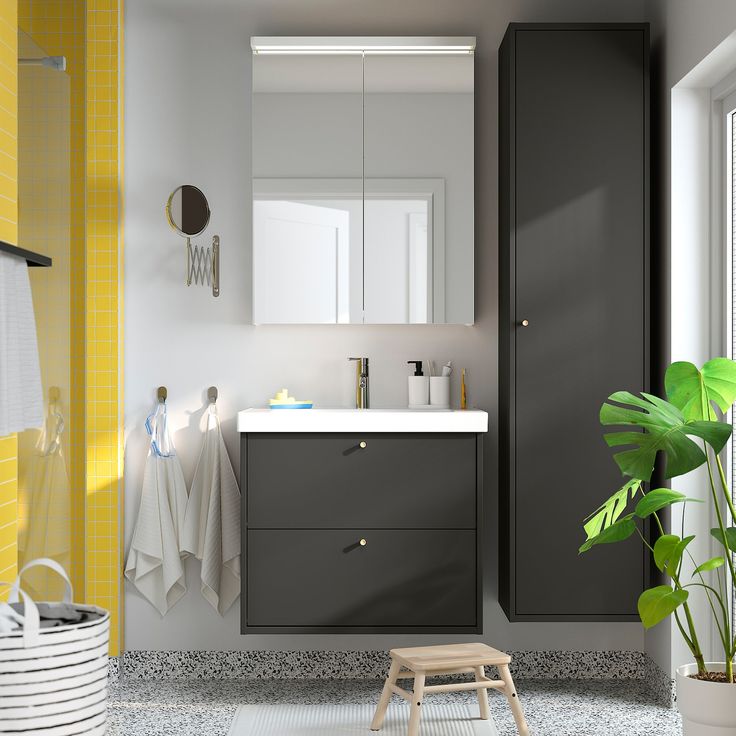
668, 551
658, 499
665, 429
610, 511
695, 391
728, 540
712, 564
606, 524
617, 532
657, 603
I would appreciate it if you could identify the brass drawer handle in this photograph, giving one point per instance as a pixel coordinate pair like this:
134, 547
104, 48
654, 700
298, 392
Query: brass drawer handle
363, 542
525, 323
363, 445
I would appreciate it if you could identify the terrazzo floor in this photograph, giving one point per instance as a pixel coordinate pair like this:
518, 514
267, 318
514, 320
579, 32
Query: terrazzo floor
553, 707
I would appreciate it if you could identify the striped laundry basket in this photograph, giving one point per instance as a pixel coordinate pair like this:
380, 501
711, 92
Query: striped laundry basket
53, 681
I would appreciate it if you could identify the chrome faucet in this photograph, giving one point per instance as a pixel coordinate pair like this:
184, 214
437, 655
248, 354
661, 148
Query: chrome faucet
362, 396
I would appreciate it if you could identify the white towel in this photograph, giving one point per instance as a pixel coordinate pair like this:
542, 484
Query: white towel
154, 563
212, 522
21, 399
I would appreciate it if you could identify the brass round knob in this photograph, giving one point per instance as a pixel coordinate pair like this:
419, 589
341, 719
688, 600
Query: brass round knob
525, 323
363, 445
363, 542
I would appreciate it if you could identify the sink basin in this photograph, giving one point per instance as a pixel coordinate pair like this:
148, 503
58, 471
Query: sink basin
363, 420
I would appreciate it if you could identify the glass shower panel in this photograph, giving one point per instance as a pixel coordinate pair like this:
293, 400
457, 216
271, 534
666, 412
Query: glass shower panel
51, 511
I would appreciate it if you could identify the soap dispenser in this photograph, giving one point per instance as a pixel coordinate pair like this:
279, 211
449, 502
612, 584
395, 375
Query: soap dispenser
418, 386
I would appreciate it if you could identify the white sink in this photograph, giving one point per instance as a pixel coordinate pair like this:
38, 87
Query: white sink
362, 420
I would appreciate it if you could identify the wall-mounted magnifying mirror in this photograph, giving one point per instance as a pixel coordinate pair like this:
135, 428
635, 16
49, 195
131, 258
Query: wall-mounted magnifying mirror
188, 211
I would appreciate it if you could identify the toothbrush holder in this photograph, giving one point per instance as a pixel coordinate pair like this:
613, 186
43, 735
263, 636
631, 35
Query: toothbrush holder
439, 392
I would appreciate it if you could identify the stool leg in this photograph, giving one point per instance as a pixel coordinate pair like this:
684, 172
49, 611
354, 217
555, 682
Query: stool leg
382, 707
510, 692
416, 703
482, 694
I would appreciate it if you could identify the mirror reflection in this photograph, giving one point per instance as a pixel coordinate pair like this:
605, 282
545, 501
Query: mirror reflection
363, 188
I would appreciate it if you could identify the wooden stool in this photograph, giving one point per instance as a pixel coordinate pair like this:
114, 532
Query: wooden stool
449, 659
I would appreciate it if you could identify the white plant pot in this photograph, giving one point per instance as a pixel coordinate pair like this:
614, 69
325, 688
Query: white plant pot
707, 708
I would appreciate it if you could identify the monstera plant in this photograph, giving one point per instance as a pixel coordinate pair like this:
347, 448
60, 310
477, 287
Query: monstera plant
688, 431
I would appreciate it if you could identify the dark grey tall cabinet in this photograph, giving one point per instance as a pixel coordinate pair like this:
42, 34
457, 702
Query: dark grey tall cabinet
574, 307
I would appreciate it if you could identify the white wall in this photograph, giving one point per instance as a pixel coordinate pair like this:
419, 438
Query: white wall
187, 77
693, 29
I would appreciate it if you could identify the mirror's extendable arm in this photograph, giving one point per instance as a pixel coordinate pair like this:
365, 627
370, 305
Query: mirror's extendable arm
189, 261
215, 265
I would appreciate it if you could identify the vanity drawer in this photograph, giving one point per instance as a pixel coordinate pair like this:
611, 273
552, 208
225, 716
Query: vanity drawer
398, 480
304, 580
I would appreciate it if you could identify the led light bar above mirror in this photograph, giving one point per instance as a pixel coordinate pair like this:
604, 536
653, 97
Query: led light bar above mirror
362, 45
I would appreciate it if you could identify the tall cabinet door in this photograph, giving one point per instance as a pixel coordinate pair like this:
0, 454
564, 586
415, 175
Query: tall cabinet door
574, 307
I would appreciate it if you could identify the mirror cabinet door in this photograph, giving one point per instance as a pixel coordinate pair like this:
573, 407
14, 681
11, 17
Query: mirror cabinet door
307, 188
363, 188
419, 188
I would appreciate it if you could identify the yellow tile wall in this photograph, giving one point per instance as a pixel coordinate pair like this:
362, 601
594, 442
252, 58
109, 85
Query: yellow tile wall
89, 35
9, 233
44, 212
104, 309
8, 509
8, 121
59, 28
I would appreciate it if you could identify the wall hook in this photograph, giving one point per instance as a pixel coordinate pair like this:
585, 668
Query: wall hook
212, 394
162, 394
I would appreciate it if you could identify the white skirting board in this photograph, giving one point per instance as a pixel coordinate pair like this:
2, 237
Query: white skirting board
454, 719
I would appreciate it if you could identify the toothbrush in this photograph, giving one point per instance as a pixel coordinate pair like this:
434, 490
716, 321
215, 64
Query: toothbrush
463, 395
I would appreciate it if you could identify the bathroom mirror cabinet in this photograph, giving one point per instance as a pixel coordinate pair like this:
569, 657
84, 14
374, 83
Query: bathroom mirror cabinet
363, 180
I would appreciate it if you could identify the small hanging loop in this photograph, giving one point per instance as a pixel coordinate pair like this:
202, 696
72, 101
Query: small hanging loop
162, 394
212, 394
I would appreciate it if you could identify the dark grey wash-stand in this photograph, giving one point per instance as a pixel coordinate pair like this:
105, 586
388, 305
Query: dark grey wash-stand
361, 533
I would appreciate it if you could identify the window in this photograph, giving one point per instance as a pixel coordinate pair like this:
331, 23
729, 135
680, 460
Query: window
729, 118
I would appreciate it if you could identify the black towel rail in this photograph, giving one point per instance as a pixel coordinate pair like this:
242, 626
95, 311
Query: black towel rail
32, 259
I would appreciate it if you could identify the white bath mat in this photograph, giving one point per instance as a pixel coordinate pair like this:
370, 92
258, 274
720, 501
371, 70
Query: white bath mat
355, 720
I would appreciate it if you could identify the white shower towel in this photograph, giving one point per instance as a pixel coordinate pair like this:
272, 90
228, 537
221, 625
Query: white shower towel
21, 399
154, 563
212, 522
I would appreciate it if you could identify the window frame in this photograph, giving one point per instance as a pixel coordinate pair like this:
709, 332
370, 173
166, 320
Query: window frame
723, 250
